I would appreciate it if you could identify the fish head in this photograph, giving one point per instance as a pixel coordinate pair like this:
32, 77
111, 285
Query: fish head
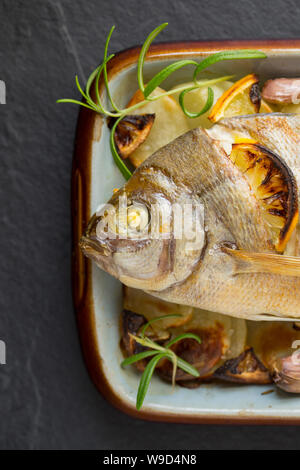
150, 234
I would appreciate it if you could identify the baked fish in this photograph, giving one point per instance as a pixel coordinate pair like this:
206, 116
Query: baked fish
235, 187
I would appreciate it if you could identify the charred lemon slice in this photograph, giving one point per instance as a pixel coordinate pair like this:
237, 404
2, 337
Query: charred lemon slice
274, 185
241, 98
131, 132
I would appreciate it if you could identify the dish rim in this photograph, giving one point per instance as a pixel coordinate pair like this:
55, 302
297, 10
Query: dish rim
89, 130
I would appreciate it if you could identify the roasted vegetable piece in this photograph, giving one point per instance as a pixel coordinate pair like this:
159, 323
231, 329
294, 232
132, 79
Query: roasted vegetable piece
282, 90
204, 357
131, 323
131, 132
286, 373
275, 344
222, 337
246, 369
230, 331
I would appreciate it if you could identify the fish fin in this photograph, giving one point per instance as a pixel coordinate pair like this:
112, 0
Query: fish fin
270, 317
251, 262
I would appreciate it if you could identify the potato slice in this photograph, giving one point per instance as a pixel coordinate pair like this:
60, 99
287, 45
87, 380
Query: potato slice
196, 99
222, 337
290, 108
205, 356
234, 330
150, 307
170, 122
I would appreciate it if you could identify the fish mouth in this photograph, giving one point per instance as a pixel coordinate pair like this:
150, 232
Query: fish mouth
99, 252
91, 247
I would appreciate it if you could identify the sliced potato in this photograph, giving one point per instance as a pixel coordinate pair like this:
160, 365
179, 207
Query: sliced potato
290, 108
150, 307
196, 99
170, 122
234, 330
205, 356
222, 337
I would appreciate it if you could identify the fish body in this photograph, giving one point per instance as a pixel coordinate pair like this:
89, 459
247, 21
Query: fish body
195, 170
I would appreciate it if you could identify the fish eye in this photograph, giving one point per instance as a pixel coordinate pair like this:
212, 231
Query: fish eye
137, 217
123, 221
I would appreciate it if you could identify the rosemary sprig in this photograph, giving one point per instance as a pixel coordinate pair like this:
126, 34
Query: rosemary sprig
227, 55
118, 160
143, 53
161, 76
155, 82
154, 320
158, 352
105, 72
206, 107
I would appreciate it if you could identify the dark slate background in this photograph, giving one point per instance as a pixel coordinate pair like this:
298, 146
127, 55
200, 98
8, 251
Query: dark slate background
46, 397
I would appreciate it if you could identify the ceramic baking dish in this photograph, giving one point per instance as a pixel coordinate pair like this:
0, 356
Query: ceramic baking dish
98, 297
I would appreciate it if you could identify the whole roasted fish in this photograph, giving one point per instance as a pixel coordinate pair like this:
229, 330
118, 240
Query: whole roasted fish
232, 265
